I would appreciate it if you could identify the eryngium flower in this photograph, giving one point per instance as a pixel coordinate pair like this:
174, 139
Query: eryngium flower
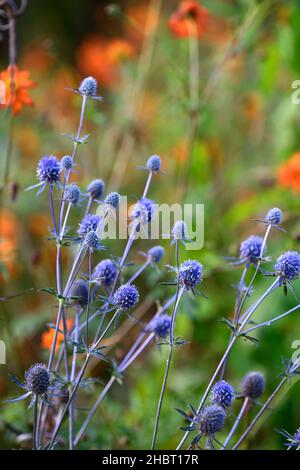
126, 297
66, 162
288, 265
105, 272
160, 325
88, 223
72, 194
211, 420
49, 169
143, 210
156, 253
190, 274
250, 249
91, 240
96, 188
88, 86
222, 394
154, 163
37, 379
80, 290
274, 216
113, 199
253, 385
179, 230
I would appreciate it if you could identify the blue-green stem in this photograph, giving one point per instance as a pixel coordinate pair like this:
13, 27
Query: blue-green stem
236, 423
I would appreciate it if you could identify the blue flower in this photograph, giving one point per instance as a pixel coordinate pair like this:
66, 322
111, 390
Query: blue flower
211, 420
293, 440
66, 162
288, 266
72, 194
253, 385
49, 169
126, 297
160, 325
88, 86
105, 272
96, 188
179, 230
88, 223
274, 216
91, 240
190, 274
250, 249
154, 163
156, 253
113, 199
37, 379
143, 210
223, 394
80, 292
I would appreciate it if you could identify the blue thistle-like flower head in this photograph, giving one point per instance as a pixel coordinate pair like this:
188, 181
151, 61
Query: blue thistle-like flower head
250, 249
113, 199
190, 274
211, 420
106, 272
91, 240
126, 297
222, 394
72, 194
88, 86
88, 223
66, 162
37, 379
96, 188
160, 325
80, 290
143, 210
156, 253
154, 163
253, 385
49, 169
179, 230
288, 266
274, 216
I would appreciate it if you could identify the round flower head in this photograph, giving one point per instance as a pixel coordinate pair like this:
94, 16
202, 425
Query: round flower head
91, 240
250, 249
96, 188
88, 223
66, 162
88, 86
222, 394
143, 210
211, 420
154, 163
126, 297
49, 169
190, 274
274, 216
156, 253
37, 379
72, 194
106, 272
80, 290
179, 230
288, 265
253, 385
113, 199
161, 325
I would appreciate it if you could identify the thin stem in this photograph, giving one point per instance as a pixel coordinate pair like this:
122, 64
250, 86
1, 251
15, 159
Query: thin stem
147, 184
52, 209
273, 320
139, 271
237, 422
89, 205
35, 421
89, 297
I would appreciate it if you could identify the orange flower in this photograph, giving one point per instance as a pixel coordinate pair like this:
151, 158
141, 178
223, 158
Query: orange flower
190, 19
16, 96
9, 241
289, 173
101, 58
48, 336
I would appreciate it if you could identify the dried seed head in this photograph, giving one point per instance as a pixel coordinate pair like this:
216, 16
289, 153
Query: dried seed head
80, 289
253, 385
96, 188
211, 420
38, 379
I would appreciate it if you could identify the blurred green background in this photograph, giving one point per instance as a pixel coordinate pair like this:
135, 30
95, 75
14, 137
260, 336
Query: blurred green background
243, 161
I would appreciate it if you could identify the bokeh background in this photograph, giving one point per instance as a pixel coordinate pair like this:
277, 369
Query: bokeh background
244, 159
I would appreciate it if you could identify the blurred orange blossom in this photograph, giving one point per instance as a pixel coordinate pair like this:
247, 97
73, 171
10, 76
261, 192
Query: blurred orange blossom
48, 336
17, 96
190, 18
289, 173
